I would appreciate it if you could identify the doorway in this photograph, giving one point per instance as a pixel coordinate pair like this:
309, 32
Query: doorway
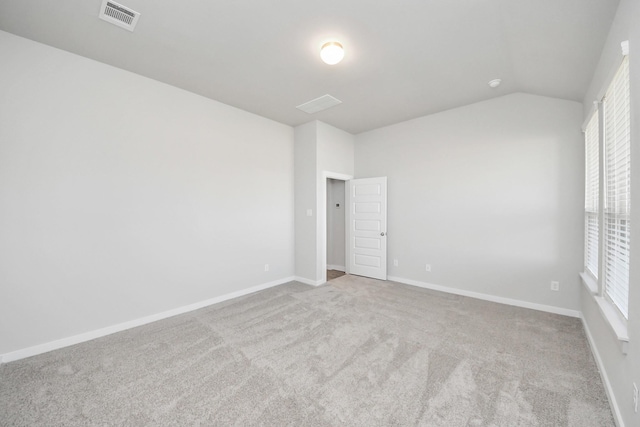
335, 228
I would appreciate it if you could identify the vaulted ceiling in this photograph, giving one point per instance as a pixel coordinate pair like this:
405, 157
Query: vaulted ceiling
404, 58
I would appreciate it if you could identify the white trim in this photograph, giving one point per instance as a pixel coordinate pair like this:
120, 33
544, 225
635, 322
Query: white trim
589, 282
624, 47
487, 297
612, 318
593, 110
617, 415
309, 281
609, 312
336, 175
321, 224
88, 336
336, 267
611, 74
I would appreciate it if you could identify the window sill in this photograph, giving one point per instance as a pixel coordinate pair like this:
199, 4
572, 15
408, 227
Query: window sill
589, 283
608, 311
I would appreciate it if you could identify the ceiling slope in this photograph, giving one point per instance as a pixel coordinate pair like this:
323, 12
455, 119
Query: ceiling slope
404, 59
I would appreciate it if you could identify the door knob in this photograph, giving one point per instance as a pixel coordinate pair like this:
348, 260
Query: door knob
382, 234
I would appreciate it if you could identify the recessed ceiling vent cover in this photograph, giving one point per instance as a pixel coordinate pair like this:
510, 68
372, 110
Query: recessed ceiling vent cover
119, 15
319, 104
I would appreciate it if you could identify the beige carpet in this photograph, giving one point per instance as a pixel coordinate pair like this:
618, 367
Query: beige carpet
354, 352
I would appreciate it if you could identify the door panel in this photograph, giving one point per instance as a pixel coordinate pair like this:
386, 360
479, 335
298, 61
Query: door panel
367, 227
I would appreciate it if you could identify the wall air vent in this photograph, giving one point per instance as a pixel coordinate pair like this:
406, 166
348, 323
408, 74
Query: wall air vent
319, 104
119, 15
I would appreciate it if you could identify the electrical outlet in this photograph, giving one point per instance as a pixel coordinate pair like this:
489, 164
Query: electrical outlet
428, 267
555, 286
395, 262
266, 267
635, 397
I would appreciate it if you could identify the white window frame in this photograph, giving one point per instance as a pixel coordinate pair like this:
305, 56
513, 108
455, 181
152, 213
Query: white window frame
592, 196
617, 209
616, 233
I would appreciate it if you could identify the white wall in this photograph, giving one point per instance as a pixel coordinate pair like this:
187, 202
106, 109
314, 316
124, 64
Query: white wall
490, 195
122, 197
336, 224
320, 149
620, 371
305, 200
335, 158
335, 150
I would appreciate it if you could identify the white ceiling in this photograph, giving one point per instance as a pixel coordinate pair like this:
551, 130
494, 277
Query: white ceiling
404, 58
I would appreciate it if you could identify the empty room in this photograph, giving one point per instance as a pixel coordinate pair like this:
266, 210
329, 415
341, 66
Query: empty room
319, 213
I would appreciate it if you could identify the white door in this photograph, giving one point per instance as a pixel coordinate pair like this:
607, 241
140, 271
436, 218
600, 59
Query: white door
367, 227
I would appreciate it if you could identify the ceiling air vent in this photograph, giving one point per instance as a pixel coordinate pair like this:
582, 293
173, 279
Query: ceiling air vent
119, 15
319, 104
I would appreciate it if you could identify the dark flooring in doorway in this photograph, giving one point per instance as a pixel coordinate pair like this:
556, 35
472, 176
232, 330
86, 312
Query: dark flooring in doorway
334, 274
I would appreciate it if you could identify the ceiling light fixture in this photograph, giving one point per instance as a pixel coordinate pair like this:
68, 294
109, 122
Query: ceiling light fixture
495, 83
331, 52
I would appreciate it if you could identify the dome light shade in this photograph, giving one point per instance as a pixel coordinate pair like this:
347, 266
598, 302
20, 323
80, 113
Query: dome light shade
332, 53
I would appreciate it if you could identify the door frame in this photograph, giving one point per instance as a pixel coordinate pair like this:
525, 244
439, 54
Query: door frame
321, 226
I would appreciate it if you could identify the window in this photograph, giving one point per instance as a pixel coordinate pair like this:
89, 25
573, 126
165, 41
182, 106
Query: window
592, 194
617, 228
607, 215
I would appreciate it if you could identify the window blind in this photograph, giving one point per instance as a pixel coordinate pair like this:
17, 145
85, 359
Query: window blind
591, 197
617, 144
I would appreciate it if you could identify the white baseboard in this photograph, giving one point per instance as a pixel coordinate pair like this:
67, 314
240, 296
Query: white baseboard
487, 297
615, 409
308, 281
337, 267
87, 336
